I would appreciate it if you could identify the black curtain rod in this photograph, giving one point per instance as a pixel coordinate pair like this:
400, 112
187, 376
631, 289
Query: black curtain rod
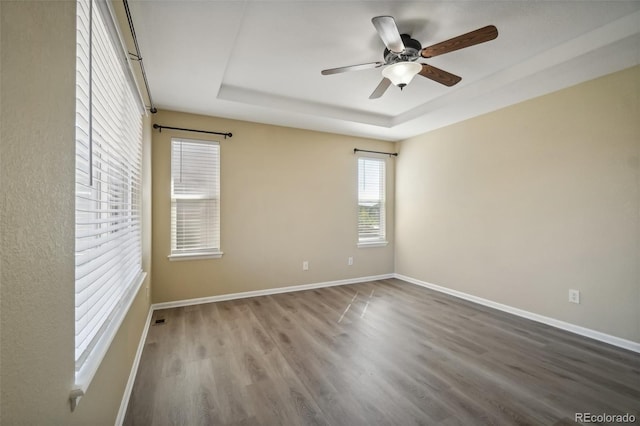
157, 126
395, 154
138, 56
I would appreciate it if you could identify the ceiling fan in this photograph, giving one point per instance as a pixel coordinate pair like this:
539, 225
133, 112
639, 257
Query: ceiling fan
402, 52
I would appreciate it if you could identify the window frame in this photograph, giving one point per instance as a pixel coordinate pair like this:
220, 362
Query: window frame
207, 252
108, 189
381, 240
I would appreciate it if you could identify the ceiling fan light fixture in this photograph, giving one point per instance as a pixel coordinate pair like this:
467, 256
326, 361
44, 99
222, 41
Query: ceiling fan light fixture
401, 73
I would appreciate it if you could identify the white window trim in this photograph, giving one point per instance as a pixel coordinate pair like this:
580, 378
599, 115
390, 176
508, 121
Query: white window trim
203, 254
195, 256
90, 365
370, 244
374, 242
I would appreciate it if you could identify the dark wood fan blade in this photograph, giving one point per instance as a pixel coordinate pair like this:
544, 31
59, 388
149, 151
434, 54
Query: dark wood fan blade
352, 68
388, 32
465, 40
382, 87
438, 75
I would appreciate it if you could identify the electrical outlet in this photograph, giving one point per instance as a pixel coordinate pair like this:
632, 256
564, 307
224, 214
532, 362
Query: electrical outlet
574, 296
350, 261
305, 265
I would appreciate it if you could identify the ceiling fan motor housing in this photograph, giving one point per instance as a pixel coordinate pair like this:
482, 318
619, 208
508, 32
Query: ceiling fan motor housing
410, 53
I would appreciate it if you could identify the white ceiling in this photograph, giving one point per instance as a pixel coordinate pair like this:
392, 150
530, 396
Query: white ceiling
261, 60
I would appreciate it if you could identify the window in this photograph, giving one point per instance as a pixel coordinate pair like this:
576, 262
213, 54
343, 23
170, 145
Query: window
371, 201
108, 254
195, 199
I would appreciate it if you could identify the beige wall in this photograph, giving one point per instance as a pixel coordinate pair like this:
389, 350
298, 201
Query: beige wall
520, 205
287, 195
37, 228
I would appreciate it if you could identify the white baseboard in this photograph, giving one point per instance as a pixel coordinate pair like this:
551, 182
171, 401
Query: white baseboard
134, 371
576, 329
266, 292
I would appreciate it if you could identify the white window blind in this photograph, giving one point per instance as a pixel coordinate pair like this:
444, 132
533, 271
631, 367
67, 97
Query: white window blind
108, 253
195, 198
371, 200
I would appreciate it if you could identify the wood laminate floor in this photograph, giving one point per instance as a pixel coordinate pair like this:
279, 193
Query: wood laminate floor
378, 353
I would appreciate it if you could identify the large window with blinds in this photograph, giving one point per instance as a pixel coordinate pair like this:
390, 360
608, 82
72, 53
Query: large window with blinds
371, 201
108, 254
195, 199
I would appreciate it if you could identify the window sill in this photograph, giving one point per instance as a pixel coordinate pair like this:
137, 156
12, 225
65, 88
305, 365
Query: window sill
367, 244
84, 377
195, 256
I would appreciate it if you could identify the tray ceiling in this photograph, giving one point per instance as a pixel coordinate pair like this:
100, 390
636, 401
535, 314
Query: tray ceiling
261, 60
